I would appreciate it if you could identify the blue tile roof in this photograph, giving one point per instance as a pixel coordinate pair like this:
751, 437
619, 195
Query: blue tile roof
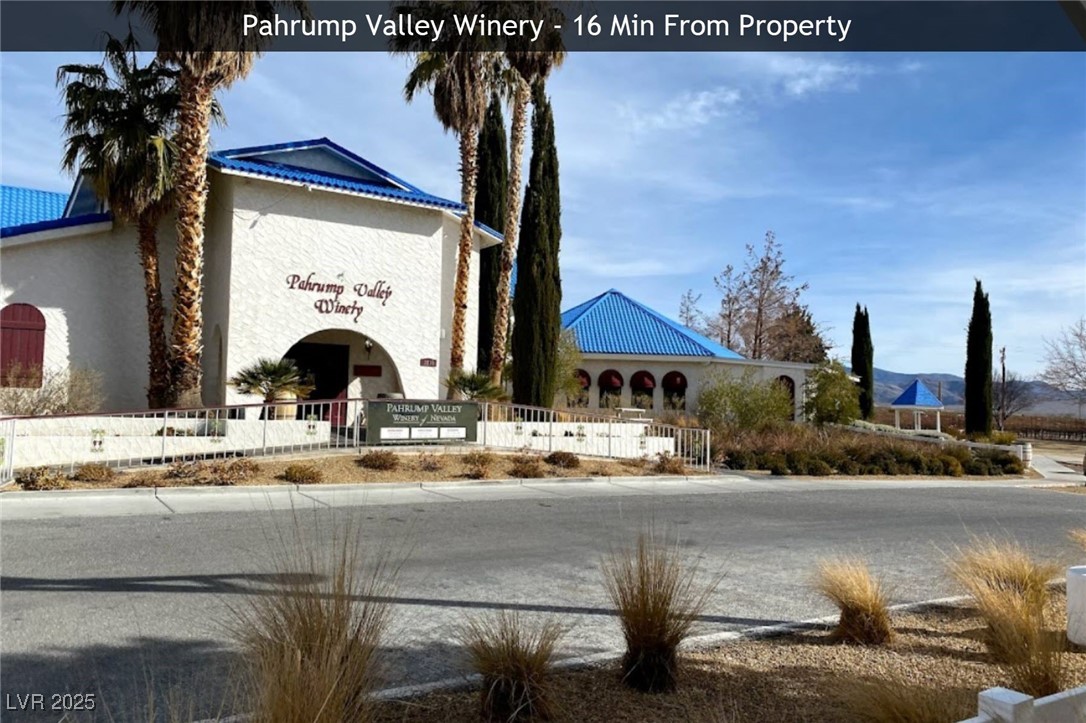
917, 395
20, 206
233, 160
613, 323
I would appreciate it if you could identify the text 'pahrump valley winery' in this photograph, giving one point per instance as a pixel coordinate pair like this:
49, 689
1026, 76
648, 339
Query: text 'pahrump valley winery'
618, 25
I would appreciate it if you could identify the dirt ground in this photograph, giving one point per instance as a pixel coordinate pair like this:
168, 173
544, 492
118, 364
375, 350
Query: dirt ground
799, 677
411, 467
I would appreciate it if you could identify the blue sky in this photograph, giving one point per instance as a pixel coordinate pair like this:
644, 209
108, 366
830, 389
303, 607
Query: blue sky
890, 180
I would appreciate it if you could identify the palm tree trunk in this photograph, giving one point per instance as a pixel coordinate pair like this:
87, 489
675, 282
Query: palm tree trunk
469, 142
510, 232
193, 134
158, 360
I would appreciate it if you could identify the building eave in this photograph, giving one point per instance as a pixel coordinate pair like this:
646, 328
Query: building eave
55, 229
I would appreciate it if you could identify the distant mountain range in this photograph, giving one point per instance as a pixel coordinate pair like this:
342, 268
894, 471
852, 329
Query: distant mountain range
889, 386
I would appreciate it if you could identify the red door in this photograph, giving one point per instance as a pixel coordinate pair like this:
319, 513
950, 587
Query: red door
22, 345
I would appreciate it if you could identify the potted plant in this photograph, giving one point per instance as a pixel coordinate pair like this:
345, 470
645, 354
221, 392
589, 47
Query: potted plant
276, 381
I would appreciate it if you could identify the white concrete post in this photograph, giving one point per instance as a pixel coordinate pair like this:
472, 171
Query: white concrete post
897, 419
1006, 706
1076, 604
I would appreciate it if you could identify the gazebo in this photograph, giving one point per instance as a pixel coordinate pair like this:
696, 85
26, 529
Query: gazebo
918, 399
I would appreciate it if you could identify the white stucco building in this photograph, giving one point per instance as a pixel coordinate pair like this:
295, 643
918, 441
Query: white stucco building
312, 252
635, 357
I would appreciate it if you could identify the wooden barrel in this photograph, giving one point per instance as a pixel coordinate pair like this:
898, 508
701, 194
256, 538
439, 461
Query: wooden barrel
1027, 453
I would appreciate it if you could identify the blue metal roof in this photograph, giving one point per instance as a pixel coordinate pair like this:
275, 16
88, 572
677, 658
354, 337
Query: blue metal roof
63, 222
917, 395
613, 323
392, 187
20, 206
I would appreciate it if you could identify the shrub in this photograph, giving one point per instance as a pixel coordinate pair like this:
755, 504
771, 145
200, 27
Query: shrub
833, 397
667, 463
775, 463
303, 474
740, 459
514, 664
185, 470
140, 479
309, 647
229, 472
379, 459
798, 461
1017, 638
849, 467
480, 458
70, 391
527, 466
979, 467
743, 403
1078, 537
36, 479
1002, 462
819, 468
658, 600
635, 462
93, 472
861, 598
951, 465
881, 701
958, 452
430, 462
565, 460
478, 471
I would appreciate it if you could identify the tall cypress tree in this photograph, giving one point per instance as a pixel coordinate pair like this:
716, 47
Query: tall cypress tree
538, 299
978, 366
863, 360
493, 159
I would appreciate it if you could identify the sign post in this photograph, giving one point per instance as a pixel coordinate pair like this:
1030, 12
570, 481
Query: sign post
404, 421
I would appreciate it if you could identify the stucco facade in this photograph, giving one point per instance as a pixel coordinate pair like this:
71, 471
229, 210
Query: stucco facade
368, 278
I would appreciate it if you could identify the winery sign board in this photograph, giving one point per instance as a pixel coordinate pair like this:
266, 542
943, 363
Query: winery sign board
400, 421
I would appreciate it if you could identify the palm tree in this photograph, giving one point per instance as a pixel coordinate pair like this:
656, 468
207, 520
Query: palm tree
118, 120
457, 74
526, 65
206, 43
475, 386
271, 378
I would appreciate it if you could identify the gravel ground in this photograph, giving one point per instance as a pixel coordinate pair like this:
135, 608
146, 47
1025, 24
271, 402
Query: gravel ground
799, 677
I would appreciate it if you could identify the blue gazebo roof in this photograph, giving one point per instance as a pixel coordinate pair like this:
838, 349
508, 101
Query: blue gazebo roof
918, 395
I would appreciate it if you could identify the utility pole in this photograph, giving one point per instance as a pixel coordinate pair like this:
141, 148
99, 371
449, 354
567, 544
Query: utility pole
1002, 386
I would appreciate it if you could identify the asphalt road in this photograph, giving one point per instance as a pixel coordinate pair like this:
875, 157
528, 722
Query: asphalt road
120, 605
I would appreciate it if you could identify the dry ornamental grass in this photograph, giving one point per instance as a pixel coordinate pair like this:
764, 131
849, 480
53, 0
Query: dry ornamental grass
992, 565
1078, 537
861, 598
658, 600
514, 663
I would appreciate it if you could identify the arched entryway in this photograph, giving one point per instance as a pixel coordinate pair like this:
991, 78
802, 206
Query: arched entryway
343, 364
581, 399
674, 385
789, 385
641, 385
610, 384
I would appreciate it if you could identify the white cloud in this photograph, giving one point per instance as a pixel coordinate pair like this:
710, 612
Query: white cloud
690, 109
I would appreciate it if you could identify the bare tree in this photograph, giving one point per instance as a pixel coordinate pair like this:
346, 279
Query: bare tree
690, 315
766, 294
1013, 395
1065, 361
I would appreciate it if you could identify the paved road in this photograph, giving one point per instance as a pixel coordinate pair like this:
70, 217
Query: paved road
118, 602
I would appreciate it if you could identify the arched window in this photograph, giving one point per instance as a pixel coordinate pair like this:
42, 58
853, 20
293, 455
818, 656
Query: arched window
789, 385
674, 385
610, 384
641, 385
581, 399
22, 346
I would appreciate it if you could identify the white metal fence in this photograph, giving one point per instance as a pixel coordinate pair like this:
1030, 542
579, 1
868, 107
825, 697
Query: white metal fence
163, 436
1000, 705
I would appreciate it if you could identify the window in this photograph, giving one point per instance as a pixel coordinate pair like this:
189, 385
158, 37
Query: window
22, 346
610, 384
641, 386
674, 385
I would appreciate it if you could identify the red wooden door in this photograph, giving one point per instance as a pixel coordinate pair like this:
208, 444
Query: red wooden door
22, 345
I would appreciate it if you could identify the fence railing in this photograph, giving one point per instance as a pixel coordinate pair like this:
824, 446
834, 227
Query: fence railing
164, 436
1001, 705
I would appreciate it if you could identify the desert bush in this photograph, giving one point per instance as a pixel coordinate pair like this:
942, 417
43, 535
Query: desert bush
979, 467
188, 470
832, 398
309, 647
140, 479
727, 403
951, 465
1002, 462
93, 472
658, 599
514, 663
477, 471
379, 459
225, 473
1017, 638
565, 460
898, 701
303, 474
36, 479
64, 391
819, 468
430, 462
527, 467
478, 458
775, 463
740, 459
958, 452
667, 463
861, 598
635, 462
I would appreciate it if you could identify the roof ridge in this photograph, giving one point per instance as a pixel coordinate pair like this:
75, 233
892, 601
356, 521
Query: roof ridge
586, 306
690, 334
